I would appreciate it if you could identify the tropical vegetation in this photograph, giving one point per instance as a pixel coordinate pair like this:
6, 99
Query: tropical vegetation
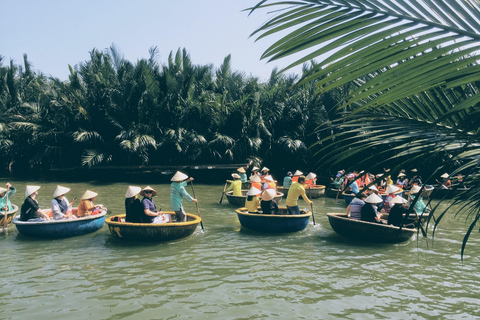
412, 68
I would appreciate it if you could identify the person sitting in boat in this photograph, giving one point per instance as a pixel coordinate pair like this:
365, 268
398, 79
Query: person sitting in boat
86, 206
178, 192
372, 189
133, 205
256, 182
296, 175
337, 183
61, 209
397, 213
388, 181
380, 184
460, 181
401, 181
447, 184
265, 173
369, 211
150, 213
30, 211
235, 185
296, 190
3, 197
243, 174
253, 202
268, 205
352, 184
391, 189
311, 180
287, 181
420, 207
355, 206
255, 172
269, 183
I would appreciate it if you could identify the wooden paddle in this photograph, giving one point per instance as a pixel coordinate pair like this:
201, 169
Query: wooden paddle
198, 210
311, 205
223, 192
5, 217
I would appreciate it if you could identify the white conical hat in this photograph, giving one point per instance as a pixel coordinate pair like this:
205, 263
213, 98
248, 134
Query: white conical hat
132, 191
253, 192
148, 188
179, 176
30, 189
89, 195
311, 175
444, 176
265, 169
268, 194
372, 187
392, 189
2, 190
398, 199
241, 170
269, 178
255, 179
373, 198
60, 191
401, 174
298, 173
255, 168
236, 176
414, 170
415, 189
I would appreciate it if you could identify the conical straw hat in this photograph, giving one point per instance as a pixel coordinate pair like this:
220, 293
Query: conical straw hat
265, 169
269, 178
268, 194
2, 190
241, 170
30, 189
148, 188
373, 198
179, 177
372, 187
298, 173
415, 189
253, 192
311, 175
89, 195
236, 176
444, 176
255, 179
401, 174
391, 189
60, 191
132, 191
398, 199
255, 168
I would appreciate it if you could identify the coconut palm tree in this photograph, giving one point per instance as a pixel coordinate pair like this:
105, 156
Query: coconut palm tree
414, 69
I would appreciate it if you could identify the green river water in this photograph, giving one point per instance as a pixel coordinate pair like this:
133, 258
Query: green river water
227, 272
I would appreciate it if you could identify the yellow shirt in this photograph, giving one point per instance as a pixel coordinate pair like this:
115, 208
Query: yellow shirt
296, 190
252, 206
236, 185
85, 207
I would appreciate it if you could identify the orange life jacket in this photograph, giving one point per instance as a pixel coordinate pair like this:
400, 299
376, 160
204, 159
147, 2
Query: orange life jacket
295, 179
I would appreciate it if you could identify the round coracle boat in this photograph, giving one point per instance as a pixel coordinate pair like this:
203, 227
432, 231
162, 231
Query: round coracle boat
54, 229
441, 192
368, 231
10, 214
152, 232
315, 191
274, 223
333, 193
239, 201
283, 190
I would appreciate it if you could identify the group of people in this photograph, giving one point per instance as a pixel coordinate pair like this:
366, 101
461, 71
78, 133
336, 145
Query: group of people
146, 211
60, 209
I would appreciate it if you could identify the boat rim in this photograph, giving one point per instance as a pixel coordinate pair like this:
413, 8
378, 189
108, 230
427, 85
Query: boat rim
290, 216
196, 220
52, 221
342, 216
15, 209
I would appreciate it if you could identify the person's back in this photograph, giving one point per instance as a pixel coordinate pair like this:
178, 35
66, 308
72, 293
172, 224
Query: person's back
133, 210
252, 203
355, 208
368, 213
395, 217
269, 207
287, 182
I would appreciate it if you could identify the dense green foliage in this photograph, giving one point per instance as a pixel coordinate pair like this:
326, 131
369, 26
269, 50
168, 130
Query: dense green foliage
114, 112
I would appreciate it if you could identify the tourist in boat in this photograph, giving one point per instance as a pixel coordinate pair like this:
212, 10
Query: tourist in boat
337, 183
61, 208
268, 205
415, 179
420, 207
397, 213
256, 182
296, 175
391, 189
133, 205
355, 206
150, 213
243, 174
372, 189
297, 189
447, 184
30, 210
311, 180
178, 192
253, 201
86, 206
388, 181
3, 197
352, 184
401, 181
255, 172
287, 181
235, 185
269, 183
264, 173
369, 211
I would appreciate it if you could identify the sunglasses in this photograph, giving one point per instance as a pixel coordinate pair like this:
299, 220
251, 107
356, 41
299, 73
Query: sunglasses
148, 191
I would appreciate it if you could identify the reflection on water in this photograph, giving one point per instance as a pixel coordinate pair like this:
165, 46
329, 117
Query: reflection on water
227, 272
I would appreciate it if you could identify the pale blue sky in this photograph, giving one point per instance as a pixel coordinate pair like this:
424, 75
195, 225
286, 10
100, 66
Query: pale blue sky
57, 33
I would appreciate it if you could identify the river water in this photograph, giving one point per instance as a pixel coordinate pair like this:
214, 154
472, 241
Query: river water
227, 272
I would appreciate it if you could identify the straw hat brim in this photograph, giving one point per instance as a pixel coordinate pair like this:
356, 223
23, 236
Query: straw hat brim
148, 188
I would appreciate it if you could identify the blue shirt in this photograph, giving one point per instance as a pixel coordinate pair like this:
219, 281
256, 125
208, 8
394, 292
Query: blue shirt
243, 177
287, 181
354, 187
177, 192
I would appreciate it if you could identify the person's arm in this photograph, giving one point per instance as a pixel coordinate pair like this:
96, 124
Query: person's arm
348, 211
304, 196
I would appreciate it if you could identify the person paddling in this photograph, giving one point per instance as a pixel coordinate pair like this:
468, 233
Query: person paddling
178, 192
3, 197
297, 189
